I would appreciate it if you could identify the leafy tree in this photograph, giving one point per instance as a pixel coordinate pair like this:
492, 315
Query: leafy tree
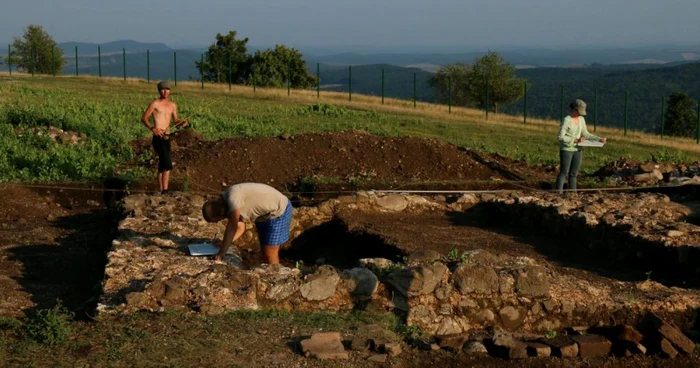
680, 116
272, 67
451, 79
216, 60
37, 51
492, 72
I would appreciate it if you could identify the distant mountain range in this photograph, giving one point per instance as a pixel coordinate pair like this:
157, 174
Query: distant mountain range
86, 49
523, 57
526, 58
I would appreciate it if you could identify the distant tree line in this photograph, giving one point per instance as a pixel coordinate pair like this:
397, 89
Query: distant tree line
647, 87
36, 52
488, 83
227, 60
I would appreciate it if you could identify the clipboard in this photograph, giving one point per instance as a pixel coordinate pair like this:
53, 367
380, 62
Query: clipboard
588, 143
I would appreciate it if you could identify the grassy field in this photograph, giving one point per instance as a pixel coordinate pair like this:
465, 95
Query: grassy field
108, 111
236, 339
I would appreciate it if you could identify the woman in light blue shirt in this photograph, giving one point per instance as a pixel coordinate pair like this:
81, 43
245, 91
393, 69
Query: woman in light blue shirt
572, 132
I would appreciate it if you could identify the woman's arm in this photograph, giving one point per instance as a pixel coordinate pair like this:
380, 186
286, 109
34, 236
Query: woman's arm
586, 134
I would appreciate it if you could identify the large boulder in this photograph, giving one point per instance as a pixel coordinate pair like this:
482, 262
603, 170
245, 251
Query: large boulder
418, 280
471, 278
320, 285
361, 282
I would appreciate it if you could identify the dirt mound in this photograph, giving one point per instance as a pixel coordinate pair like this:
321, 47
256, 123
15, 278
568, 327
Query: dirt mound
351, 159
620, 165
184, 138
635, 173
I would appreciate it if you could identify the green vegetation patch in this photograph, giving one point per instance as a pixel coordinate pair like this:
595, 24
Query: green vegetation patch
108, 115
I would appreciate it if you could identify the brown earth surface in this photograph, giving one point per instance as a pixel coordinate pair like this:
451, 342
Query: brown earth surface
340, 161
53, 241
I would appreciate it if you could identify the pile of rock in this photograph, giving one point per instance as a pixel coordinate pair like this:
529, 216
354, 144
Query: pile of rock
631, 172
647, 228
57, 134
658, 338
329, 345
149, 269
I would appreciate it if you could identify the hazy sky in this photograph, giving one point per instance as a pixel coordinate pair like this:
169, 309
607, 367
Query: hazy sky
298, 23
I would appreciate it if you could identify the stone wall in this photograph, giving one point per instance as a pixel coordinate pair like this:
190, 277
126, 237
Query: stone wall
149, 268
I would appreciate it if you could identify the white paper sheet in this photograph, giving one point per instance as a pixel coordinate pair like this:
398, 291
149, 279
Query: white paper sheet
205, 249
590, 144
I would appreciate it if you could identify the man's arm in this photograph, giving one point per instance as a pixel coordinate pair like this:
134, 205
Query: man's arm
177, 120
232, 229
146, 115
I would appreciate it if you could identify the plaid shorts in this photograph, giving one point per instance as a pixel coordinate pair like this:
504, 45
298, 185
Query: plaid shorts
275, 231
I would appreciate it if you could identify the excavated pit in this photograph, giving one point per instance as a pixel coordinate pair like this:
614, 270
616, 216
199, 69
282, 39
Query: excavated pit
332, 243
448, 265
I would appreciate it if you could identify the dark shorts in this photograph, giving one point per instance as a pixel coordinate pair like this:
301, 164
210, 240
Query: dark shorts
162, 147
275, 231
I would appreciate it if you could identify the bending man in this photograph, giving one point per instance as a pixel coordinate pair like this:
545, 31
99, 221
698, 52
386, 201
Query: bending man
270, 209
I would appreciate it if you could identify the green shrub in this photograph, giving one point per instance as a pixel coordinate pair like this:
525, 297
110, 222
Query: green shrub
49, 326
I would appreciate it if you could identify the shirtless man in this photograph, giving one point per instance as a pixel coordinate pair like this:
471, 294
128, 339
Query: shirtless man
162, 110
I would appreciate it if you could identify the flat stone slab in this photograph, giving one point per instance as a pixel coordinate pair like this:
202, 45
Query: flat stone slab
538, 350
562, 346
453, 342
671, 333
592, 345
324, 346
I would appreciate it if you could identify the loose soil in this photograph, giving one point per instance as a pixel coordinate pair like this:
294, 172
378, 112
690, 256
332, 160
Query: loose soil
53, 243
339, 161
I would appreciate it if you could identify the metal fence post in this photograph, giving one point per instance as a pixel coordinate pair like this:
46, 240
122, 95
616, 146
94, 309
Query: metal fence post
663, 112
414, 89
349, 82
627, 102
697, 125
449, 95
525, 103
289, 78
99, 61
124, 62
382, 86
31, 60
595, 109
201, 72
254, 78
76, 61
230, 71
175, 67
318, 80
9, 57
53, 61
488, 97
148, 66
561, 115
